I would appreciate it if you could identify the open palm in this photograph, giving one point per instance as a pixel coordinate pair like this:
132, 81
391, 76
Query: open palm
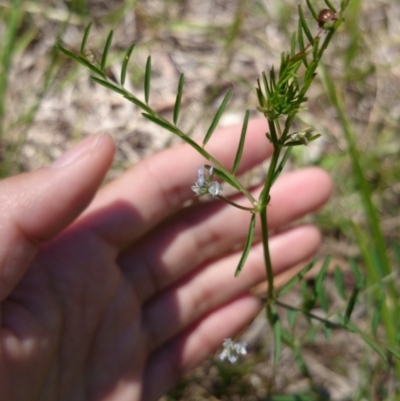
113, 294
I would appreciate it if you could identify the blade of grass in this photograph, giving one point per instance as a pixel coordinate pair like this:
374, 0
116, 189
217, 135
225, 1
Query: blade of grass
339, 282
272, 76
370, 210
85, 38
319, 289
125, 64
217, 117
312, 10
300, 41
351, 303
239, 151
259, 93
178, 100
147, 78
375, 274
106, 50
247, 246
266, 86
305, 26
293, 45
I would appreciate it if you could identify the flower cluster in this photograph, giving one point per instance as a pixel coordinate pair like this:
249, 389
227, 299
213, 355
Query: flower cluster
232, 351
204, 184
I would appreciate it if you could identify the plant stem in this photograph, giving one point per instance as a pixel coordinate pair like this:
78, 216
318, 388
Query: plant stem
264, 200
234, 204
267, 256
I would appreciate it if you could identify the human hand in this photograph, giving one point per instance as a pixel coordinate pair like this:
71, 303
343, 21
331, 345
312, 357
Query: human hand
118, 299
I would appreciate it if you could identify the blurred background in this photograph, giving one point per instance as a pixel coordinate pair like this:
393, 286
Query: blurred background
48, 103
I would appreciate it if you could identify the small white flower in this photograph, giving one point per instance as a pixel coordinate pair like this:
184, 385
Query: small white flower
204, 185
199, 189
215, 188
200, 172
201, 181
232, 351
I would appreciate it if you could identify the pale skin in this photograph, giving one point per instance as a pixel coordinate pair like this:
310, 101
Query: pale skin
115, 293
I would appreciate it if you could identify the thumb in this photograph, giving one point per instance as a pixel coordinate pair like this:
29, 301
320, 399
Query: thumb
36, 206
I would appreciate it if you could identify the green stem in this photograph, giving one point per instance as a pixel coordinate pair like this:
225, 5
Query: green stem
310, 315
264, 200
267, 256
234, 204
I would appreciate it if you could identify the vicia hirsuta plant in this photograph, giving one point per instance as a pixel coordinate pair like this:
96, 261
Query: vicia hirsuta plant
281, 94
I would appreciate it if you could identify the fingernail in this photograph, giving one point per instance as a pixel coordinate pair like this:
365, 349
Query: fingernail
77, 152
